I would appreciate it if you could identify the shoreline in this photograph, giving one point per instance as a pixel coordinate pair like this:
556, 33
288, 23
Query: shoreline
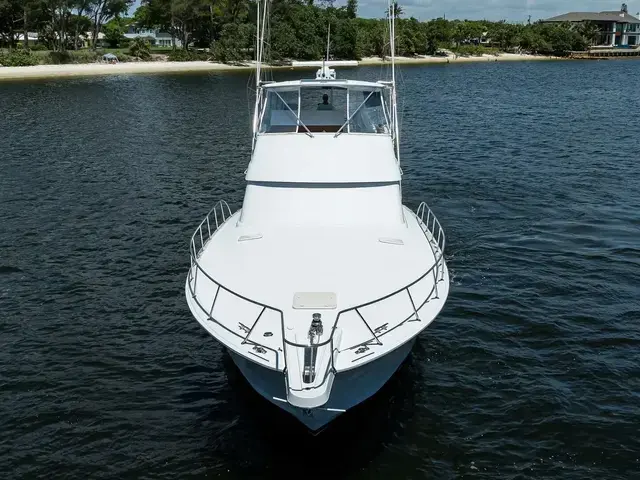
99, 69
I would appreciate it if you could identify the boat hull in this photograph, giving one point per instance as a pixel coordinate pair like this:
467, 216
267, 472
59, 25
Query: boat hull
349, 388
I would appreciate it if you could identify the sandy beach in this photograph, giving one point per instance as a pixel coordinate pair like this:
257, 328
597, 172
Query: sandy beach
91, 69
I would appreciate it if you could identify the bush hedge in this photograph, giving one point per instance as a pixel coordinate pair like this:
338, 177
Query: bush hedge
18, 58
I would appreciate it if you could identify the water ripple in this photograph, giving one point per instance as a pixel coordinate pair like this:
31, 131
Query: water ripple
530, 372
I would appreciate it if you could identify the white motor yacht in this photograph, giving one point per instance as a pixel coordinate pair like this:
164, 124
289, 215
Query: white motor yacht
319, 285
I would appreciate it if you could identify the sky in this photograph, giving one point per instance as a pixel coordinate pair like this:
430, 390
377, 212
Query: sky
511, 10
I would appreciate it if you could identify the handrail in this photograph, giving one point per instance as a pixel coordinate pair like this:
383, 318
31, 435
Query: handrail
221, 211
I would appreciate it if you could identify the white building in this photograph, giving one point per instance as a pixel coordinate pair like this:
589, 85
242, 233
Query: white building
616, 29
155, 36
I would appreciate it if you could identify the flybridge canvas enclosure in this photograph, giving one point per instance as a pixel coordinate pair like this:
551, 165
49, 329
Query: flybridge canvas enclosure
326, 108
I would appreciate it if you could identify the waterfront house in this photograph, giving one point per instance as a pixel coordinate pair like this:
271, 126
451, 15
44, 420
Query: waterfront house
615, 29
155, 37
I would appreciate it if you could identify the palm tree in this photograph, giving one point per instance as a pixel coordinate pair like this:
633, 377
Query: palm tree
396, 9
590, 32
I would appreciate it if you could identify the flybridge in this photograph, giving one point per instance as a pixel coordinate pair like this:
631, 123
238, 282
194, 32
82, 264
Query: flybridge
326, 105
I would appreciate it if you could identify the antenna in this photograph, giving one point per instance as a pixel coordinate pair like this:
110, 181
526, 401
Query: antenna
394, 101
258, 45
328, 41
261, 26
325, 72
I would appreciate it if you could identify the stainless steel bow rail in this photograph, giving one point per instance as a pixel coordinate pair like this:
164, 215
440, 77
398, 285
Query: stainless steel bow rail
221, 213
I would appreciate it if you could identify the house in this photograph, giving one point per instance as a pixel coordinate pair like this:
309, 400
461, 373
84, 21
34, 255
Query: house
87, 40
615, 29
31, 36
155, 37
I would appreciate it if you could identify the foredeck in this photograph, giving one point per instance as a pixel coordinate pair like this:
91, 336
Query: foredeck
386, 289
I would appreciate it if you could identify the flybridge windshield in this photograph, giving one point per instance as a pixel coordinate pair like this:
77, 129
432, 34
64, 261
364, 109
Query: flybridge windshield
326, 109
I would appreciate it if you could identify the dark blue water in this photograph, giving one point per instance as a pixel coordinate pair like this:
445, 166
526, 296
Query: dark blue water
532, 370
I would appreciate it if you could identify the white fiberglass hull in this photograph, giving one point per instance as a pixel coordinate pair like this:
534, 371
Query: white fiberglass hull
349, 388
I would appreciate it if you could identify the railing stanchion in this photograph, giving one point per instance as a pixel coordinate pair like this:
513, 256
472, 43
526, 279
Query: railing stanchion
246, 339
368, 327
435, 281
213, 304
195, 283
415, 310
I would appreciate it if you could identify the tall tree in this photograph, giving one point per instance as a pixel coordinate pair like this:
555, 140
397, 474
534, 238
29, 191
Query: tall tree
82, 7
58, 13
352, 8
11, 14
103, 11
396, 10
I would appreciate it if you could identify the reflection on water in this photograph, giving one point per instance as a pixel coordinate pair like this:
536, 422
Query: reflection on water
273, 438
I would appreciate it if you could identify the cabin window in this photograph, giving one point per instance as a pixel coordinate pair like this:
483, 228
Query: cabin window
280, 114
368, 115
325, 109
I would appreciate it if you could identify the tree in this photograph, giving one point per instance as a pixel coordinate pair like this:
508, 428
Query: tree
352, 8
396, 10
460, 32
590, 32
114, 31
82, 7
233, 46
27, 7
56, 28
10, 15
77, 24
103, 11
504, 34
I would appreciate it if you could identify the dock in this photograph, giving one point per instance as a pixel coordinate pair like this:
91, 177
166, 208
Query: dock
607, 53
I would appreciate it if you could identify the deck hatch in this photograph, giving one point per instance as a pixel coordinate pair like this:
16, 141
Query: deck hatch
315, 300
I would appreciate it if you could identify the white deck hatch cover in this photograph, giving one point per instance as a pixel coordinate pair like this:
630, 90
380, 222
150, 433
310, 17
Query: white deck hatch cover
246, 238
392, 241
314, 300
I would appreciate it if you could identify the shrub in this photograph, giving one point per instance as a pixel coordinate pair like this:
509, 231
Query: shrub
58, 58
38, 47
85, 56
140, 48
18, 58
123, 57
71, 56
